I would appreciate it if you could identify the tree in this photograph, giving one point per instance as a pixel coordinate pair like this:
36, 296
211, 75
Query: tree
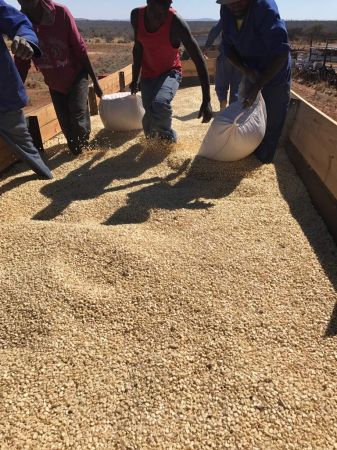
316, 31
295, 33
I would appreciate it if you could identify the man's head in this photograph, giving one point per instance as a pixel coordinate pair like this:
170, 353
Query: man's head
32, 9
158, 8
238, 8
28, 5
39, 11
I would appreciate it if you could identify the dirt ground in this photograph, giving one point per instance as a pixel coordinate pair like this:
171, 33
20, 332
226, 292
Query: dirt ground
319, 98
152, 300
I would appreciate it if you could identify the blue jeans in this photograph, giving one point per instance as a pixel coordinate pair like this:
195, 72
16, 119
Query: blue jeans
157, 96
13, 129
277, 99
226, 77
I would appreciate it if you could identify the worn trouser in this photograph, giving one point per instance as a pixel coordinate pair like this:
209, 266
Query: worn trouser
13, 129
73, 114
226, 78
277, 99
157, 96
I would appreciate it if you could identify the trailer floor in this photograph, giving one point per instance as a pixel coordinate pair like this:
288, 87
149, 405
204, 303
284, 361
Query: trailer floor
149, 301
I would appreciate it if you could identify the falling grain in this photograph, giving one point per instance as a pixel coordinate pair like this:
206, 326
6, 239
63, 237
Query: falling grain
153, 301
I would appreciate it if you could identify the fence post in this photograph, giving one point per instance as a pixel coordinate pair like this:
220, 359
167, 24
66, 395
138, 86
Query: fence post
121, 81
92, 101
35, 132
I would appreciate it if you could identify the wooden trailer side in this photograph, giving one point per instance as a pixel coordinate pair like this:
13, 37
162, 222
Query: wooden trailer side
6, 157
312, 147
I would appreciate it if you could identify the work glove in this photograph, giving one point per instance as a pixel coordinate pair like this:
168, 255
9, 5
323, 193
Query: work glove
134, 87
206, 112
21, 48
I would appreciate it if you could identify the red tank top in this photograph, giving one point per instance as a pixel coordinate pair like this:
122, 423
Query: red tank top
158, 54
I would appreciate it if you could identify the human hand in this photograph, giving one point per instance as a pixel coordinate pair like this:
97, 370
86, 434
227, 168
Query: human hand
252, 75
98, 90
251, 95
134, 87
206, 112
21, 48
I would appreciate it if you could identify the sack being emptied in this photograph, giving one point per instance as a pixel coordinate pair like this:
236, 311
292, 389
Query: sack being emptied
236, 132
121, 111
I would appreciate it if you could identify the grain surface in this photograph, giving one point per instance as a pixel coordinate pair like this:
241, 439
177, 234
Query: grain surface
154, 301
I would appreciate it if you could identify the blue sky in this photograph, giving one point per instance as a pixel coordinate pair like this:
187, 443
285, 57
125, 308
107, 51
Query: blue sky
193, 9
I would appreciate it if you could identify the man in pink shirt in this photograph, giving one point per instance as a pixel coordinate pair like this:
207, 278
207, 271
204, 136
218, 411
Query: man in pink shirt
65, 66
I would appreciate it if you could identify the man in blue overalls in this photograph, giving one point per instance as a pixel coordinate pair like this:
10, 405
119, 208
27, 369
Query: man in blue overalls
13, 128
256, 43
227, 78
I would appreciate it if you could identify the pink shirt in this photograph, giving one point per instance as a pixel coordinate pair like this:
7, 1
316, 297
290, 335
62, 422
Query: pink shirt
63, 52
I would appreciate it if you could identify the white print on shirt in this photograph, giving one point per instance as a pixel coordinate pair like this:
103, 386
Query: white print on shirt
54, 53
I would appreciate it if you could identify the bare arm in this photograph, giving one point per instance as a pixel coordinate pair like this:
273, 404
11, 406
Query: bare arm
213, 35
137, 54
273, 69
183, 32
259, 80
79, 47
236, 61
88, 68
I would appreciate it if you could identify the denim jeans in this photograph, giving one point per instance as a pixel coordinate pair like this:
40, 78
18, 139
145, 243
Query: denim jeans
226, 77
277, 98
157, 96
73, 114
14, 131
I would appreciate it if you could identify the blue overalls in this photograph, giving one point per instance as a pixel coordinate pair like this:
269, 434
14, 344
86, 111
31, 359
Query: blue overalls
262, 38
226, 76
13, 128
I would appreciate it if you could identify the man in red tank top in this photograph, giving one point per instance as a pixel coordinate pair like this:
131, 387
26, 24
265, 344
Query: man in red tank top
159, 31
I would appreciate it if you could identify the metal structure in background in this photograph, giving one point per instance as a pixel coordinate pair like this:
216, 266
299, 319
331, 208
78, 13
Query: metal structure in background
320, 65
325, 53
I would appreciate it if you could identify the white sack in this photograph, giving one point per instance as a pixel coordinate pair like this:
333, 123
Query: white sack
121, 111
235, 132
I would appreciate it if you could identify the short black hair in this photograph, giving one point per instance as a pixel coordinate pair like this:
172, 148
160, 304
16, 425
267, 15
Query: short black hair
165, 3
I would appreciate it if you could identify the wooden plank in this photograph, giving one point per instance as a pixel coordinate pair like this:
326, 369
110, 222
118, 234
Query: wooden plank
322, 199
35, 132
110, 84
122, 81
315, 136
45, 114
189, 69
50, 130
93, 103
6, 157
47, 121
128, 74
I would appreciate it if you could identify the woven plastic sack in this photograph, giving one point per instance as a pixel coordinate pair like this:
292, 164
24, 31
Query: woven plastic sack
235, 132
121, 111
